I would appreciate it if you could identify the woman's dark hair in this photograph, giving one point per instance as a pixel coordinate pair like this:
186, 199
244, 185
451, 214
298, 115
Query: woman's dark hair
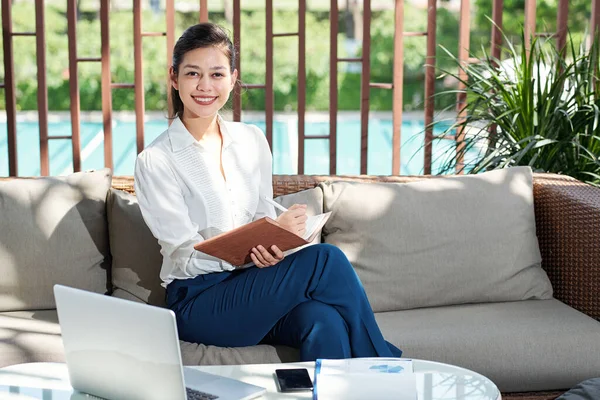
199, 36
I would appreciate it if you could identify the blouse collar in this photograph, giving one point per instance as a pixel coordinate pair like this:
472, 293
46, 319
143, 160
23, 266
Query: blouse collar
181, 138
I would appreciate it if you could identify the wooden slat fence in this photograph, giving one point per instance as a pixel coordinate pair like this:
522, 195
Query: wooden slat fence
366, 85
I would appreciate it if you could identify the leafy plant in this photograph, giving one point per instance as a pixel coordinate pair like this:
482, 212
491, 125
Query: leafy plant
539, 107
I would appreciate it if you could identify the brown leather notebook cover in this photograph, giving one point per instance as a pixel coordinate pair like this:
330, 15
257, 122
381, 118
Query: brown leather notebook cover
235, 246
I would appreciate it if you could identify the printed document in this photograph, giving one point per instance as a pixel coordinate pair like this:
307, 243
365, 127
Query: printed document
365, 378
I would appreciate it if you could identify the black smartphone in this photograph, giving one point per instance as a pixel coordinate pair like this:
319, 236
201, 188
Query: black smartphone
293, 380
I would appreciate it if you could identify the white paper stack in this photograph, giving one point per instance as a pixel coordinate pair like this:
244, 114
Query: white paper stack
365, 378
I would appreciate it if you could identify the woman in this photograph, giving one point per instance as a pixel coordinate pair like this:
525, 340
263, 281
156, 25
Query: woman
204, 176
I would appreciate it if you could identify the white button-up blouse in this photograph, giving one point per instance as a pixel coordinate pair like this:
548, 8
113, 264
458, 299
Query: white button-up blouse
185, 200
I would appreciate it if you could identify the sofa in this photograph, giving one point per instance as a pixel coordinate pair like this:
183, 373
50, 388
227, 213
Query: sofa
497, 272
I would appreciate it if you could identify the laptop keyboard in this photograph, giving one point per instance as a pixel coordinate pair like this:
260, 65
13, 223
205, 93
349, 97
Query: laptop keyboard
198, 395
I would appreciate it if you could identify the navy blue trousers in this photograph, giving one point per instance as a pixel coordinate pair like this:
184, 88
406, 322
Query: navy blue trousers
311, 300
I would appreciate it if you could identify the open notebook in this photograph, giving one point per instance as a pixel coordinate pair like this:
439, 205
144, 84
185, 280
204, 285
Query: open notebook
235, 246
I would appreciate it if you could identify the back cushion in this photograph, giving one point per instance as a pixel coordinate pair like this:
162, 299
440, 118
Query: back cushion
453, 240
136, 258
52, 230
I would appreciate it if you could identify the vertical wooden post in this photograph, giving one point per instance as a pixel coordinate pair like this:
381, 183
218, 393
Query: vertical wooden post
301, 82
170, 21
496, 52
430, 84
498, 7
42, 87
333, 85
106, 82
561, 25
140, 103
269, 93
398, 85
237, 43
203, 10
74, 83
595, 20
365, 87
463, 56
9, 87
529, 23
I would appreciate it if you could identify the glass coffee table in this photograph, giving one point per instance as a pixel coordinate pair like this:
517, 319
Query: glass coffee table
435, 381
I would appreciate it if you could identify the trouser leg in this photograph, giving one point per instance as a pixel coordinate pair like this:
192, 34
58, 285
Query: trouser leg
246, 305
315, 328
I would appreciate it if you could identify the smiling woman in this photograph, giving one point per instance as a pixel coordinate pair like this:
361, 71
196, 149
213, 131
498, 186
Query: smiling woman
204, 176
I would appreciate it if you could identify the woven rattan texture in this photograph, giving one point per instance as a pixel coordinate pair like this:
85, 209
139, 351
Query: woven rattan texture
568, 228
531, 396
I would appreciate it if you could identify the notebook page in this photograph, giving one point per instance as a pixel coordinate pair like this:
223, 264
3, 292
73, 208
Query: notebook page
314, 223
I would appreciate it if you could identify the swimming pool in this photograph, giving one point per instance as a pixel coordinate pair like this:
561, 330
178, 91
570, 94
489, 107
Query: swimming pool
284, 146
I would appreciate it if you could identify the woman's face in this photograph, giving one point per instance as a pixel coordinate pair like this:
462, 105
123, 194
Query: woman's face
204, 81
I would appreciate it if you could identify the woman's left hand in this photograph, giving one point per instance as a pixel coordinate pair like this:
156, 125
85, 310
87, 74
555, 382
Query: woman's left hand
263, 258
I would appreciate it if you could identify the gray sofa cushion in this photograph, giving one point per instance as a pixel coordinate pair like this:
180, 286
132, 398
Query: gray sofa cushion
521, 346
453, 240
52, 230
136, 258
30, 336
34, 336
200, 354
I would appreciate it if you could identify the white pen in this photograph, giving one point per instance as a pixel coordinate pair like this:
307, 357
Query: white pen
275, 204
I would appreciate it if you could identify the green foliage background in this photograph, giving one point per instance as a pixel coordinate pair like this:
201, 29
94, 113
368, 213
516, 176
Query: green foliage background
252, 54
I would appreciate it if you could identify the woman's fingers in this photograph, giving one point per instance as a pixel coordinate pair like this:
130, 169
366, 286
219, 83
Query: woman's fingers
263, 258
294, 219
277, 253
255, 260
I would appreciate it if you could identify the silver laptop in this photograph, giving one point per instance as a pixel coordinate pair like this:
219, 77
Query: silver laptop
121, 350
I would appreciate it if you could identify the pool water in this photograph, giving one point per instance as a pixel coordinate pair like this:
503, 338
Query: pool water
284, 147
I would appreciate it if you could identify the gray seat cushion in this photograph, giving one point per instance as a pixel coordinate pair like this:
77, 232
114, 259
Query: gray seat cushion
521, 346
34, 336
200, 354
30, 336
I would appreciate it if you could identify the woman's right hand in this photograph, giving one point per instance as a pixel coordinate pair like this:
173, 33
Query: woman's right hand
294, 219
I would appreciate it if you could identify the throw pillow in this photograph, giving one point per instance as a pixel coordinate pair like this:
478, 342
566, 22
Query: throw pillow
436, 242
52, 230
136, 258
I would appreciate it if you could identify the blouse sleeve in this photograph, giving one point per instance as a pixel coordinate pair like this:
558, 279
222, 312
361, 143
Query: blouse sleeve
164, 210
265, 160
